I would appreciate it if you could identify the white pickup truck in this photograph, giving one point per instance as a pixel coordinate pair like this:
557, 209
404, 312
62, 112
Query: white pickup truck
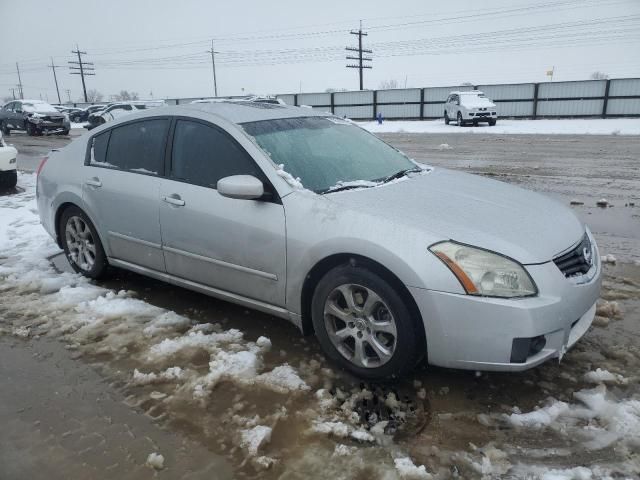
8, 172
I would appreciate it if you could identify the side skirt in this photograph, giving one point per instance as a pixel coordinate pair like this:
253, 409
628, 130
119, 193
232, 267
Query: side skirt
212, 292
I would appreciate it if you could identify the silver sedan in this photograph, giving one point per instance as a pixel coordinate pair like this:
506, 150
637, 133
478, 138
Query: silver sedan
308, 217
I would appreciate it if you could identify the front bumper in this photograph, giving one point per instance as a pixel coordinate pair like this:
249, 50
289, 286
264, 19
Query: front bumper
47, 126
482, 116
478, 333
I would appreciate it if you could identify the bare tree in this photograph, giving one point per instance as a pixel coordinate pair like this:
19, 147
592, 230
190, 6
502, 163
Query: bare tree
599, 76
331, 90
125, 96
93, 96
388, 84
466, 84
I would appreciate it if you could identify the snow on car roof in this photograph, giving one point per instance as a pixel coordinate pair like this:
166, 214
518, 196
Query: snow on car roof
243, 112
467, 92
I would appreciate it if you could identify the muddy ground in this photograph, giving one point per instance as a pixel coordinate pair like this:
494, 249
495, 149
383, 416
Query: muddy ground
70, 409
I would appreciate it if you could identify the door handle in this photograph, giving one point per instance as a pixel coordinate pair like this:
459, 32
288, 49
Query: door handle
94, 182
174, 199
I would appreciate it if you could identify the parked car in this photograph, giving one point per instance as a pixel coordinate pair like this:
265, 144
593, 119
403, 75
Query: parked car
117, 110
388, 261
8, 167
83, 114
249, 98
470, 107
34, 116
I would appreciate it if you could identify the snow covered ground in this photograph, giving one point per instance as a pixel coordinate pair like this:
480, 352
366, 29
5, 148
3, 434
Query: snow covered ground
574, 126
277, 409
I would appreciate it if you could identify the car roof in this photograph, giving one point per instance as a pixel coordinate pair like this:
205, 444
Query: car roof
243, 112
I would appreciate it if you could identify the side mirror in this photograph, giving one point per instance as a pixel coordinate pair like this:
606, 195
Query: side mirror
242, 187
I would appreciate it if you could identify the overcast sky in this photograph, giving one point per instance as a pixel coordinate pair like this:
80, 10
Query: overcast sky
160, 47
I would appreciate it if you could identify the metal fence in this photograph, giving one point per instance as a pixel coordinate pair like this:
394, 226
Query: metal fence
618, 97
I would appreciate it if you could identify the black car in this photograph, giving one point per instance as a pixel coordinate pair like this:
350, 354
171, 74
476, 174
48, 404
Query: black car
34, 116
82, 115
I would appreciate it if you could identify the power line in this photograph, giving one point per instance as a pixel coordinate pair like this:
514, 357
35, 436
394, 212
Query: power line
84, 68
360, 65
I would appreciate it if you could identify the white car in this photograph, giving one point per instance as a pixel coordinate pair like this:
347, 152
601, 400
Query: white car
470, 107
8, 172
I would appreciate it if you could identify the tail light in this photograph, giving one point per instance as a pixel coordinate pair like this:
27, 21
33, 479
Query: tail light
41, 166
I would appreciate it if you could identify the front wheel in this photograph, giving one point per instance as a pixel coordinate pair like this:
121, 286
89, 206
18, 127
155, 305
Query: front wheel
446, 118
460, 121
31, 129
8, 180
364, 325
81, 244
492, 122
5, 130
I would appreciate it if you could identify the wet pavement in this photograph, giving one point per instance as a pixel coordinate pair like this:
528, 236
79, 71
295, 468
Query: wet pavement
70, 408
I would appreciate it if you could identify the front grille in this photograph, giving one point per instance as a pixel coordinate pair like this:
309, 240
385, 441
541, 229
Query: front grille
53, 119
578, 261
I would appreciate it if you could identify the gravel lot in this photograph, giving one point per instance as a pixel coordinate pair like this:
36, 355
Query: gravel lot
70, 409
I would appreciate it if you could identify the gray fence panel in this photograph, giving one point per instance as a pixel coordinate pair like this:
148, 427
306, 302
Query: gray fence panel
623, 106
625, 86
440, 94
399, 95
323, 109
508, 92
434, 110
570, 107
515, 109
355, 112
287, 98
589, 88
314, 99
399, 111
348, 98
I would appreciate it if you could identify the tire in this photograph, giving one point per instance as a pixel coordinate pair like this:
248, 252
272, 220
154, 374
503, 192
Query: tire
77, 242
31, 129
475, 123
460, 120
5, 130
64, 132
8, 180
397, 335
446, 118
492, 122
76, 119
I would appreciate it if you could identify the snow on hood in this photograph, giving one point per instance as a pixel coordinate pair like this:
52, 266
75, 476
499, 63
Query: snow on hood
521, 224
474, 101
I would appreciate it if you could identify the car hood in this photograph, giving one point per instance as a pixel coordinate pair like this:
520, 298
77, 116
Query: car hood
471, 209
53, 113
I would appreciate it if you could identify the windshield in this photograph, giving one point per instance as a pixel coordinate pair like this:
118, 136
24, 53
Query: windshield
40, 107
327, 152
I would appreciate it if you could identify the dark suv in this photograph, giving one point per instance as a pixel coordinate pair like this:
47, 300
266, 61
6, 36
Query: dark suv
34, 116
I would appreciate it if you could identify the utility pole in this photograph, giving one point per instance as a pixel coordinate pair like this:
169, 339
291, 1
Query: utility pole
19, 82
13, 92
83, 69
213, 65
55, 78
360, 66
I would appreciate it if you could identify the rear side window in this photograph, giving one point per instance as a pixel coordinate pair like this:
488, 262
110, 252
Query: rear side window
99, 150
138, 147
202, 155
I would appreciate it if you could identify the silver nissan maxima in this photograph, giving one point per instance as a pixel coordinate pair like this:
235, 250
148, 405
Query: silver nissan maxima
308, 217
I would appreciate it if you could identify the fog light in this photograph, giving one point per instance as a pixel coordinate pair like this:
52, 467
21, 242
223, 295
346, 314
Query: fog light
523, 348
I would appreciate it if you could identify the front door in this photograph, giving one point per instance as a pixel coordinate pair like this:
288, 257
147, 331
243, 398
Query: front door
233, 245
121, 190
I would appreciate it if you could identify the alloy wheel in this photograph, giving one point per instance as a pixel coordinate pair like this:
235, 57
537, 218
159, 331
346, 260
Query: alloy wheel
360, 325
80, 243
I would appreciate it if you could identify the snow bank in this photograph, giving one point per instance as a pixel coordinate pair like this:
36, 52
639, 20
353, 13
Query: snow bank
591, 126
407, 469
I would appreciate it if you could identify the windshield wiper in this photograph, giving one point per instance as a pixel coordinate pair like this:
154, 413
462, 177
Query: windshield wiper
399, 174
339, 188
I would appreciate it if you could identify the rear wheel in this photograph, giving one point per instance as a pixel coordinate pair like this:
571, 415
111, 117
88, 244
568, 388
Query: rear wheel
364, 325
460, 121
446, 118
81, 244
8, 179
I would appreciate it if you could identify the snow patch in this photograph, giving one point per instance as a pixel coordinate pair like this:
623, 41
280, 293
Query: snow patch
255, 438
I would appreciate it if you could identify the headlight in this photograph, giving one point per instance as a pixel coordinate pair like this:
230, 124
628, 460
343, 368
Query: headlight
485, 273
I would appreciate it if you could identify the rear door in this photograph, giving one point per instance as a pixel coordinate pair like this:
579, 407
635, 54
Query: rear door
121, 189
234, 245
